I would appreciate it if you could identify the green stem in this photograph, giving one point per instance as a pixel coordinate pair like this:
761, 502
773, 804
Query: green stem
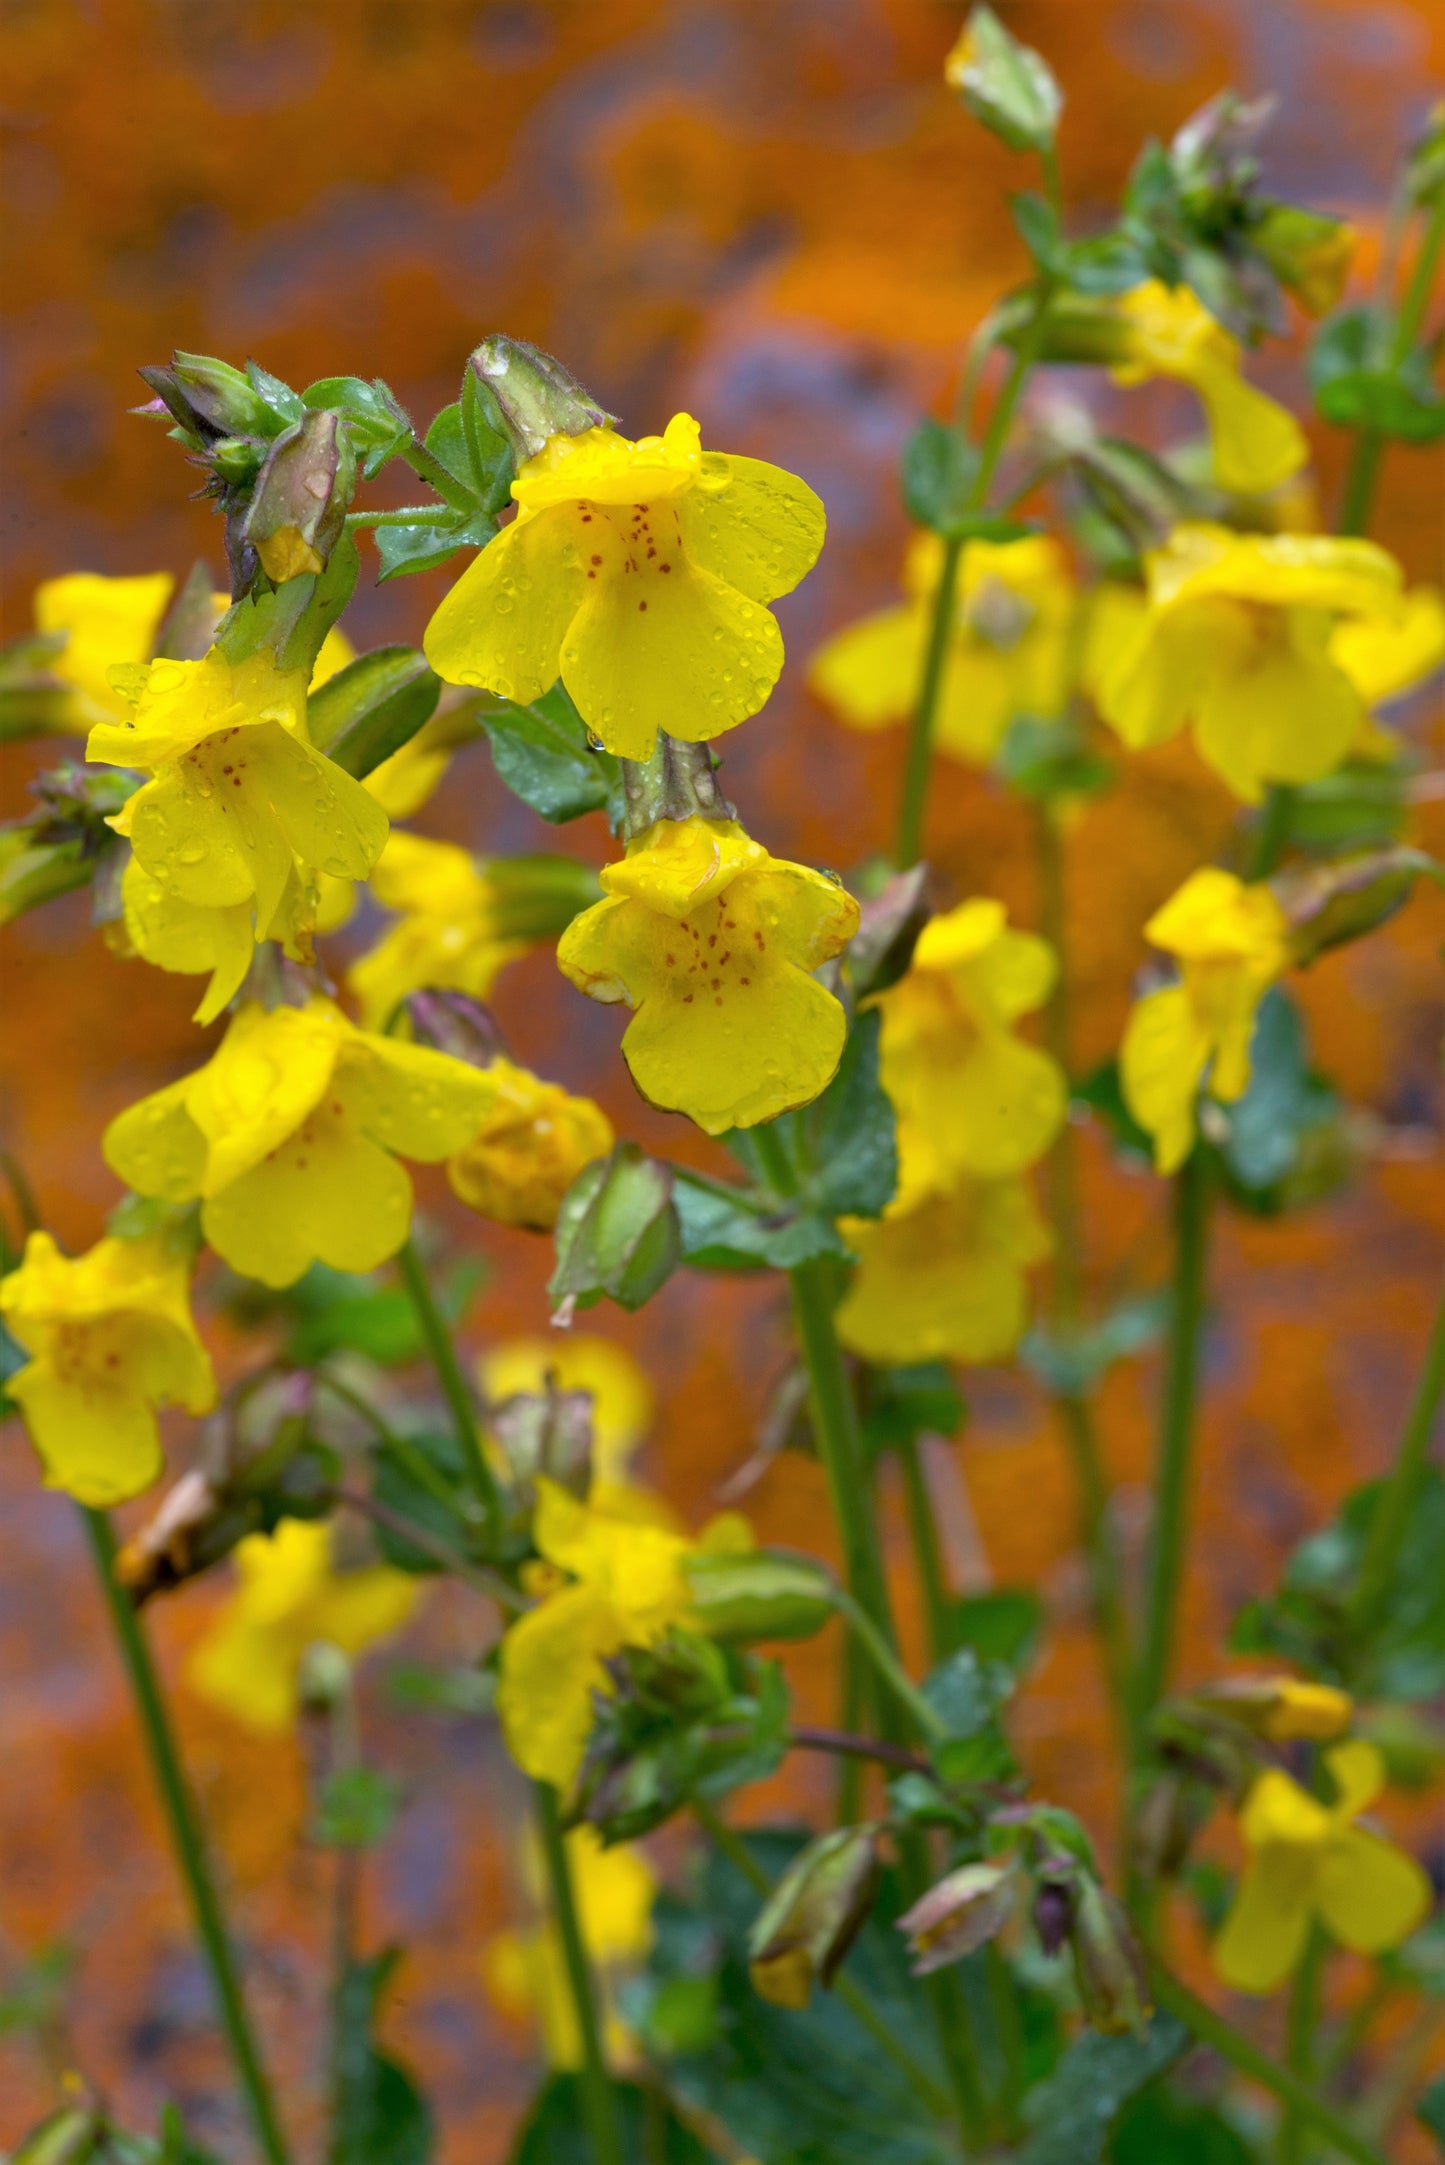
890, 1669
1174, 1462
1303, 2023
729, 1844
1356, 2027
1361, 479
477, 1576
454, 1384
432, 471
1232, 2045
928, 1555
920, 736
599, 2099
1272, 831
401, 515
1396, 1507
853, 1710
1363, 473
186, 1840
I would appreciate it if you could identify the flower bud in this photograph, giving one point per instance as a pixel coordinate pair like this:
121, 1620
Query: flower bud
759, 1594
889, 923
617, 1234
297, 512
533, 1142
454, 1023
1108, 1961
1307, 252
1054, 1913
679, 781
958, 1915
536, 397
1006, 85
813, 1916
1325, 905
210, 399
73, 2136
1279, 1708
1165, 1825
546, 1432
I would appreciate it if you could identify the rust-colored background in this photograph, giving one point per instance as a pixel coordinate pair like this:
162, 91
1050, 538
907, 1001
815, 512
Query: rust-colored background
770, 212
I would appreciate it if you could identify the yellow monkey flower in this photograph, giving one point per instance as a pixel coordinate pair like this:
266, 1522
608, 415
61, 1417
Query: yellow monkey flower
1169, 332
533, 1141
1236, 639
525, 1972
622, 1400
292, 1595
106, 621
979, 1102
448, 933
713, 942
287, 1134
638, 573
1232, 942
110, 1337
241, 816
624, 1586
1384, 657
1008, 651
1310, 1861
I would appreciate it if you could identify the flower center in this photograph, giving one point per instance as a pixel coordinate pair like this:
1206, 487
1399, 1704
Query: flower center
715, 951
636, 545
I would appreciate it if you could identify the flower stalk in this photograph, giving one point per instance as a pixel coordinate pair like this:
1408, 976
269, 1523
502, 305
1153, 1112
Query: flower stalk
454, 1384
1392, 1517
599, 2099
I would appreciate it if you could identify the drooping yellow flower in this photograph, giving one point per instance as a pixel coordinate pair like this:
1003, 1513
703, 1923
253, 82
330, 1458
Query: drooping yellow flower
713, 942
287, 1135
533, 1141
941, 1276
292, 1595
525, 1972
1236, 639
106, 622
624, 1587
1386, 657
111, 1337
448, 935
1008, 653
622, 1400
638, 573
1169, 332
980, 1103
241, 815
1310, 1861
1232, 942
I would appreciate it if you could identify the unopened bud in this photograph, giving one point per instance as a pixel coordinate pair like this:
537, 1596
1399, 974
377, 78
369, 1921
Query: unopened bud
617, 1233
1054, 1913
759, 1594
1307, 252
889, 923
815, 1913
963, 1912
73, 2136
1326, 905
535, 396
454, 1023
1165, 1825
297, 512
1279, 1708
677, 781
323, 1680
1004, 84
546, 1432
210, 399
1109, 1963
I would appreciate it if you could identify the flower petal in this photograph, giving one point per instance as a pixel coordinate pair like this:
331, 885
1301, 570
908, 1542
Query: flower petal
267, 1075
184, 937
868, 672
551, 1662
1371, 1894
1257, 443
1289, 715
755, 526
1264, 1934
772, 1043
199, 852
326, 1194
1155, 677
417, 1101
100, 1445
944, 1279
502, 624
156, 1147
1161, 1065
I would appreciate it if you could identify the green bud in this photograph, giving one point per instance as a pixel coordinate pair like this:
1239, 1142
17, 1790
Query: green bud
1109, 1963
813, 1916
760, 1594
372, 707
960, 1914
889, 923
297, 512
210, 400
1424, 175
72, 2136
1006, 85
1329, 904
546, 1432
236, 460
1307, 252
536, 397
1170, 1814
536, 897
679, 781
617, 1233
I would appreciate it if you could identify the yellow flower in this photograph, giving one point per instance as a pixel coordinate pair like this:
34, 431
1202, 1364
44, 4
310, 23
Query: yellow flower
626, 1589
1309, 1860
240, 817
106, 621
291, 1596
1386, 657
979, 1102
1232, 942
448, 935
525, 1973
1008, 653
713, 942
534, 1140
110, 1337
637, 572
941, 1276
287, 1135
622, 1401
1236, 638
1168, 332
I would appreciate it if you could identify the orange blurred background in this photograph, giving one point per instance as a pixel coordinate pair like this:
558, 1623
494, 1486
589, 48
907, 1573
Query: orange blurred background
772, 213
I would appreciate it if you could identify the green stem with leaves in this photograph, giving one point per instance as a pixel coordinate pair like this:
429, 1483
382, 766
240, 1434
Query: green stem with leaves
599, 2098
1395, 1509
438, 1340
448, 488
186, 1841
1363, 472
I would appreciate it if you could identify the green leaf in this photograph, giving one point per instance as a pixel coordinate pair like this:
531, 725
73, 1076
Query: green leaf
1356, 386
279, 396
851, 1131
1075, 2109
1050, 759
1430, 2111
650, 2131
617, 1232
1276, 1150
967, 1693
939, 465
332, 1311
421, 1687
1005, 84
544, 755
785, 2085
379, 2115
736, 1231
902, 1403
1103, 1093
372, 707
1362, 805
1001, 1629
491, 456
399, 1483
1038, 226
356, 1809
1159, 2124
404, 549
379, 424
1070, 1365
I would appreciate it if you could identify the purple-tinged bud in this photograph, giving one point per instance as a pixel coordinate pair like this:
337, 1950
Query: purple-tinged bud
455, 1023
813, 1916
1109, 1965
297, 512
960, 1914
535, 396
1054, 1914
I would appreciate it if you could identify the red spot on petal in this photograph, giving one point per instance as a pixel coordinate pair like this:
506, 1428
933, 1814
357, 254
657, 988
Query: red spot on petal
642, 605
596, 559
